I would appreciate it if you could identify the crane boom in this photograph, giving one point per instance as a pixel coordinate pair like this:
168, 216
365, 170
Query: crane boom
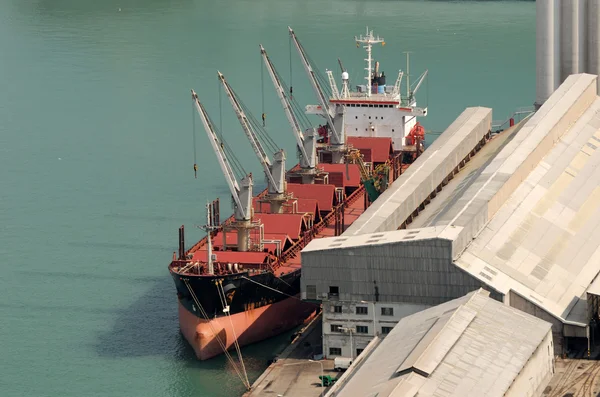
242, 209
306, 144
419, 82
328, 113
276, 183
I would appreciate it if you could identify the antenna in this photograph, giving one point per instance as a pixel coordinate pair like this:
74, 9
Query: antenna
208, 228
407, 75
368, 40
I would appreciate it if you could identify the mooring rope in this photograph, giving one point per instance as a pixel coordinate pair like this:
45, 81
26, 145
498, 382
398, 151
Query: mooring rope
235, 341
227, 354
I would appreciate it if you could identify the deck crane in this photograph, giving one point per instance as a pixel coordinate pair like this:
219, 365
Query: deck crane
242, 196
333, 115
307, 140
274, 172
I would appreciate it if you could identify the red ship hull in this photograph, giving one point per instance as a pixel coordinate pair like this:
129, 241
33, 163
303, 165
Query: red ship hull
250, 326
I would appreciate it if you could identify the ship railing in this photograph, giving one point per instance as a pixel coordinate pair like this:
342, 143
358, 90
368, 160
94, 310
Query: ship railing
516, 117
309, 235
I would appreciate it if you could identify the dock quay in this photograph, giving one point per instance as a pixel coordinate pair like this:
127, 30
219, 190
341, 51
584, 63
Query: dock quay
295, 371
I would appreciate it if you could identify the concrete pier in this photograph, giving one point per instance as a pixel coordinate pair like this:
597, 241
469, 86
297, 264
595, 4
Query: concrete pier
295, 373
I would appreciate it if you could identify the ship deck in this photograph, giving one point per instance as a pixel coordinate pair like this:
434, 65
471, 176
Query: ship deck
314, 210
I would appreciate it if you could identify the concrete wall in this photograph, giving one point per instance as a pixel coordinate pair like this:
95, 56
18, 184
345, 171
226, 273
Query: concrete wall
518, 302
422, 178
349, 319
536, 374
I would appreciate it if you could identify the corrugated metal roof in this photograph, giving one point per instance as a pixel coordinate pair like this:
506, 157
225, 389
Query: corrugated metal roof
324, 194
415, 185
544, 241
395, 236
469, 347
380, 148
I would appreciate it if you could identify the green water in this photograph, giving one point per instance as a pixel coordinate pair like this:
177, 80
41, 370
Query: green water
96, 159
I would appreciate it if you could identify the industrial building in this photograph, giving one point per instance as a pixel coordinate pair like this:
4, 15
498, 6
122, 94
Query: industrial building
567, 42
518, 216
470, 346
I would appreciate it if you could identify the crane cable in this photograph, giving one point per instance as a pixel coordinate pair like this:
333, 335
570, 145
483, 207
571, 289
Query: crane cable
291, 85
235, 339
227, 354
262, 89
194, 141
220, 110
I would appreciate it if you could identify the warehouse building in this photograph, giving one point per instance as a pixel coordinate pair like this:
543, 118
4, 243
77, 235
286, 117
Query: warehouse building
518, 216
470, 346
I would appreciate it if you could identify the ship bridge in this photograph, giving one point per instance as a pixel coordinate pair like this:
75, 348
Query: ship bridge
374, 109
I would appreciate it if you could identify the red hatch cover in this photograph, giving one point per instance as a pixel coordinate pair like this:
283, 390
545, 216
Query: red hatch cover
289, 224
324, 194
338, 176
231, 237
248, 257
381, 148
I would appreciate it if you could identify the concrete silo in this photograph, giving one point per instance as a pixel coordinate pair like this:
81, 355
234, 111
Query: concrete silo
547, 48
572, 37
593, 38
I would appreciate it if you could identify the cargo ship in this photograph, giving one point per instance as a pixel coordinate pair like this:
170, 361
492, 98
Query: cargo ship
241, 283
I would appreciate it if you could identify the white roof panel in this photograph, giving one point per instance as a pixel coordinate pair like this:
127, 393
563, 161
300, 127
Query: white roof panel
471, 346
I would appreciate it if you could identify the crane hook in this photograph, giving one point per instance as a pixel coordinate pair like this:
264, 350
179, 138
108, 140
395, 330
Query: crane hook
195, 171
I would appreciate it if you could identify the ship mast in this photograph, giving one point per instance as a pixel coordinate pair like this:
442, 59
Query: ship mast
209, 227
368, 40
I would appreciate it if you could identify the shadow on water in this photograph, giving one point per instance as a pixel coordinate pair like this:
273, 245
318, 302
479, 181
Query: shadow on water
150, 327
147, 327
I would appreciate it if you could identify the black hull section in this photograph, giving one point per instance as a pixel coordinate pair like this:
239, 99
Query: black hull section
242, 292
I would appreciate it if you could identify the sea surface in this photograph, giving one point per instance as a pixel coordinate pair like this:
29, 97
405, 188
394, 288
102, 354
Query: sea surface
97, 154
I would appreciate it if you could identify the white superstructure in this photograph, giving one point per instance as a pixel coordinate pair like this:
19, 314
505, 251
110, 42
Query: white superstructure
374, 109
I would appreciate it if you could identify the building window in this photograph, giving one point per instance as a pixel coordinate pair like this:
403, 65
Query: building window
387, 311
362, 329
356, 117
362, 310
335, 351
392, 130
369, 117
358, 351
336, 328
333, 290
311, 292
386, 330
337, 309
